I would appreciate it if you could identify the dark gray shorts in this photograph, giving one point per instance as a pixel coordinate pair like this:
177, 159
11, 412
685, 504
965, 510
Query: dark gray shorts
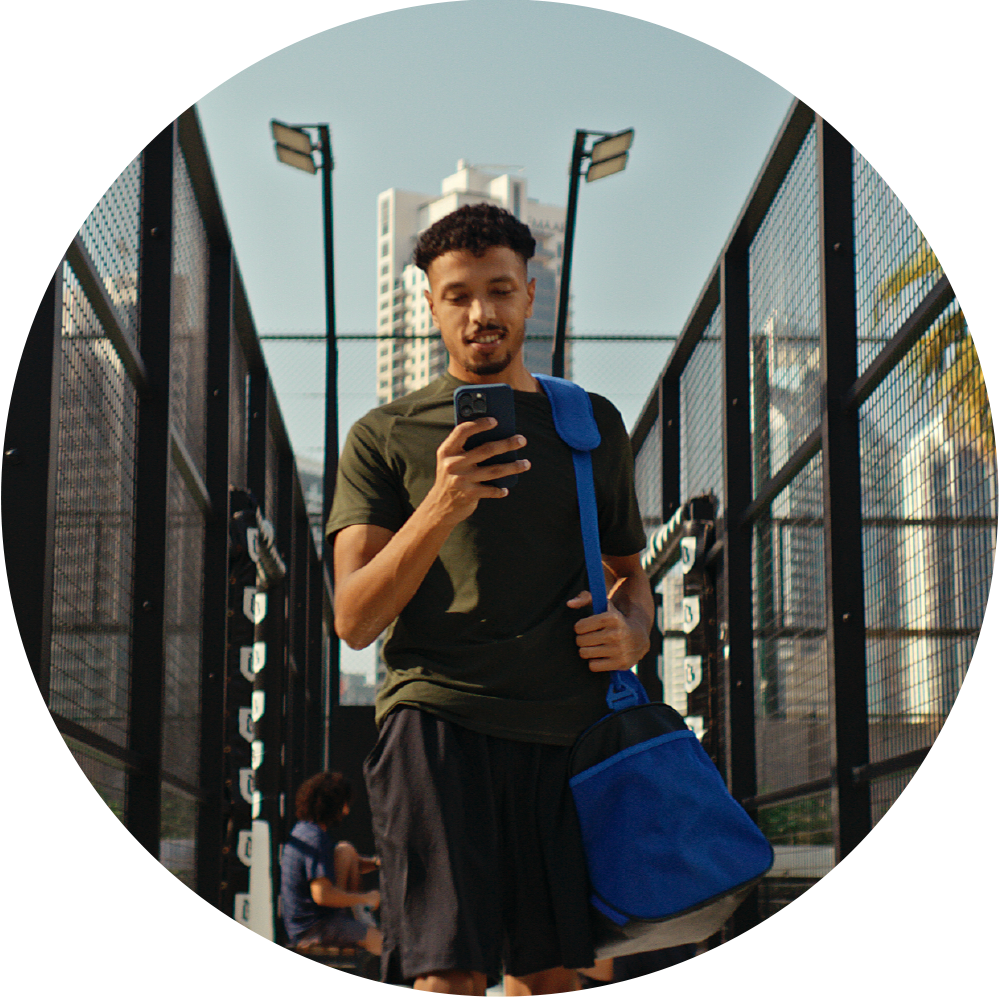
482, 865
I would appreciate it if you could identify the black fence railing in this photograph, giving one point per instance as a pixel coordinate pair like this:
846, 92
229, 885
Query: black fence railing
146, 427
815, 467
826, 396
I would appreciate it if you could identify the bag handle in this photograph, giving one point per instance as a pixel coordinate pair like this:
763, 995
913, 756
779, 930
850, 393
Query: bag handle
573, 416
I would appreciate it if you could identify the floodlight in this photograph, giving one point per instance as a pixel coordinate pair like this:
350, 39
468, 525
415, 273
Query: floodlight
294, 159
292, 138
598, 170
612, 147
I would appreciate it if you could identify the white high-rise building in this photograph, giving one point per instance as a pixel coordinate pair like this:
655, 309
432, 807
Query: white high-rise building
408, 355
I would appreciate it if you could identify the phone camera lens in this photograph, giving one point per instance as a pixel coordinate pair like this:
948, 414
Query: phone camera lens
465, 410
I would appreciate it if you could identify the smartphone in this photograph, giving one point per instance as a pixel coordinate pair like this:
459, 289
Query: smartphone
495, 400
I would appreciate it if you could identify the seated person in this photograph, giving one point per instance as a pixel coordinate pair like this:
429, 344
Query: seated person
321, 897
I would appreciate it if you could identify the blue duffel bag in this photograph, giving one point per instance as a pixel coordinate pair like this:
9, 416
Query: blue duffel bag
670, 852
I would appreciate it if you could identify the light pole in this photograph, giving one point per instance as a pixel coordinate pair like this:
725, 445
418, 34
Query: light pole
608, 155
294, 145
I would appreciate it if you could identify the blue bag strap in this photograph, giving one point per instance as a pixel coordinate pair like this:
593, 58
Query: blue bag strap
573, 416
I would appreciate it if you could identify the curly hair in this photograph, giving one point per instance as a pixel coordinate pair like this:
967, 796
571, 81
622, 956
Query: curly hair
321, 798
476, 228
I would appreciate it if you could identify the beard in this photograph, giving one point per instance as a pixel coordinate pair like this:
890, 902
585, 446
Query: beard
490, 367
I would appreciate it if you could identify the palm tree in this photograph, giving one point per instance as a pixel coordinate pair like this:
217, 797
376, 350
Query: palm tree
947, 365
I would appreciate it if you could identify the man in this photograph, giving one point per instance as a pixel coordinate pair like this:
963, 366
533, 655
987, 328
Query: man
494, 663
321, 897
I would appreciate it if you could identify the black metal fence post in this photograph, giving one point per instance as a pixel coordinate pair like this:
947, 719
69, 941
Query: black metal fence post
31, 446
737, 754
257, 403
215, 634
317, 710
289, 738
298, 601
670, 443
845, 584
142, 806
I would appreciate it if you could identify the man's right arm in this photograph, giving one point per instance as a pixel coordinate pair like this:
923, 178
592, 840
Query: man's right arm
378, 571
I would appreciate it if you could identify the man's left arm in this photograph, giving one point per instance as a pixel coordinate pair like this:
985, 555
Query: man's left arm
619, 637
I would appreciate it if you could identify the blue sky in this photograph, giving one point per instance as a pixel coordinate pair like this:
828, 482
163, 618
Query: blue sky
410, 92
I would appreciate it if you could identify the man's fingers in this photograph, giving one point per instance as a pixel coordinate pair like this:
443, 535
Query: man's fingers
605, 665
455, 441
596, 652
581, 600
595, 623
487, 472
490, 449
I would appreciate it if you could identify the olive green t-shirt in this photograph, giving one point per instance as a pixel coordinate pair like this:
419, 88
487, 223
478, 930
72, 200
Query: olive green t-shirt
487, 640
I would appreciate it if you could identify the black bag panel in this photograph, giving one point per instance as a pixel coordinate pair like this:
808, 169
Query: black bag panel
623, 729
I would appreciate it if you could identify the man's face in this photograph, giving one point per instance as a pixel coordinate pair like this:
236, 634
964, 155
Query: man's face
481, 305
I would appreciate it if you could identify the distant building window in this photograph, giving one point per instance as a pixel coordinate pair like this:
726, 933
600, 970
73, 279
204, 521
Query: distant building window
385, 249
517, 200
385, 270
385, 286
384, 207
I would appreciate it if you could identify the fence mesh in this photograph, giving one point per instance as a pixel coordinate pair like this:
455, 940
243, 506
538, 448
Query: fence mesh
188, 316
649, 477
929, 509
701, 416
107, 778
790, 674
785, 318
894, 266
237, 412
178, 833
183, 631
801, 831
94, 525
111, 237
884, 791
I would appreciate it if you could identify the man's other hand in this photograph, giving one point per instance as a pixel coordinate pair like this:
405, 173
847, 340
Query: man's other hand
608, 641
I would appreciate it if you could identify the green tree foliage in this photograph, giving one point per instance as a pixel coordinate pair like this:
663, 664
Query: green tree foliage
947, 365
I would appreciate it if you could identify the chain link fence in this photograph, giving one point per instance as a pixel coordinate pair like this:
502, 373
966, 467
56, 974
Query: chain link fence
744, 411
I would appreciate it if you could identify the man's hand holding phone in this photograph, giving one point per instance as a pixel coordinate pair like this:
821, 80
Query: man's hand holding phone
460, 481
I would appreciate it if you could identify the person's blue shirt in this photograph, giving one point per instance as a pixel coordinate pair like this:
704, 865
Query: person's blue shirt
308, 855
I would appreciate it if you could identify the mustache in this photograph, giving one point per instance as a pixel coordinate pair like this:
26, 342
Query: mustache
490, 328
